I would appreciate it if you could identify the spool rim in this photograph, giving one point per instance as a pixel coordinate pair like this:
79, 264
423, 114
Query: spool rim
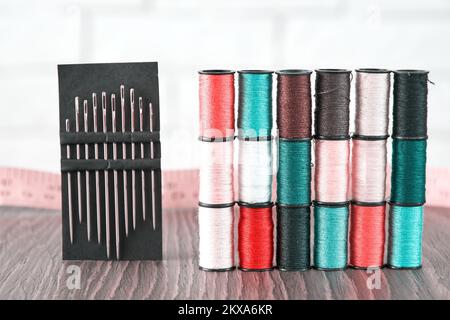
411, 71
256, 270
368, 204
341, 137
342, 204
337, 71
217, 270
255, 71
255, 205
216, 206
293, 72
373, 70
216, 72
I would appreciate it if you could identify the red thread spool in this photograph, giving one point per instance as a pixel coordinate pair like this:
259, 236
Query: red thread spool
367, 236
216, 96
255, 243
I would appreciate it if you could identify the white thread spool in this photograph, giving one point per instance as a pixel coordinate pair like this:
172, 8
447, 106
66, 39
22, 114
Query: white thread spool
255, 171
216, 172
369, 170
331, 178
216, 242
372, 102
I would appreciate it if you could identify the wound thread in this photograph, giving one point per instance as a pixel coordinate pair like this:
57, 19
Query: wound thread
408, 168
372, 102
255, 244
408, 171
332, 170
216, 174
330, 236
294, 104
410, 104
293, 238
367, 235
368, 170
405, 229
255, 103
216, 193
216, 245
216, 96
332, 110
294, 172
255, 171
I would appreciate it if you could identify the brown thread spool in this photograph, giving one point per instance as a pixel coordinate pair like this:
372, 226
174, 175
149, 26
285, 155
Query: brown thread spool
294, 103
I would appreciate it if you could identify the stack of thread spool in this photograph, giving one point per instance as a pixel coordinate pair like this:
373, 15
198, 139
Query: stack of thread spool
216, 190
368, 209
255, 229
408, 168
331, 178
294, 169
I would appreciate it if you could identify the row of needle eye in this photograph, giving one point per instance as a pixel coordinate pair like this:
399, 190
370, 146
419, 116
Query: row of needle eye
115, 173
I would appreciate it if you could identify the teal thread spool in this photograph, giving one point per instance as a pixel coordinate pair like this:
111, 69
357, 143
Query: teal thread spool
330, 236
405, 240
408, 171
294, 172
255, 103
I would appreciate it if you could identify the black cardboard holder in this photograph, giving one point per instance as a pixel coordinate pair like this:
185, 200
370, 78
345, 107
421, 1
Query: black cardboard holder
81, 80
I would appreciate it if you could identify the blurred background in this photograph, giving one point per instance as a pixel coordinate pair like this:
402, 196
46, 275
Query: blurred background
188, 35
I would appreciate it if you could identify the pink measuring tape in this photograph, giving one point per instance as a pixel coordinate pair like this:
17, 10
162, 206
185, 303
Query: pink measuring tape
39, 189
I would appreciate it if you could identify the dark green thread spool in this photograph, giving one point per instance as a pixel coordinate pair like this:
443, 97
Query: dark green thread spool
293, 238
408, 171
294, 172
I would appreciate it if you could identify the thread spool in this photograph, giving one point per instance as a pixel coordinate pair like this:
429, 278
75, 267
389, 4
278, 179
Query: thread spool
330, 236
293, 238
332, 110
216, 174
332, 170
216, 238
410, 104
294, 172
255, 171
255, 103
294, 104
367, 235
255, 243
372, 102
408, 171
216, 97
405, 233
368, 170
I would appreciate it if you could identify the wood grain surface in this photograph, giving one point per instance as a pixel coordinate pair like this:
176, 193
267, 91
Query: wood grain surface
31, 268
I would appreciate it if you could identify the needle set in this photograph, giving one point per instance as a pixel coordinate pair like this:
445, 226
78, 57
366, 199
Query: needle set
111, 177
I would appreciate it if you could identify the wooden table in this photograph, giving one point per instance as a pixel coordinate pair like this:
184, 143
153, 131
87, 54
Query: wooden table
31, 268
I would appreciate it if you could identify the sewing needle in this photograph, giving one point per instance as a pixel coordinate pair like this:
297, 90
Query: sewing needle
97, 174
141, 127
69, 188
77, 129
105, 156
124, 156
133, 155
152, 172
116, 190
86, 156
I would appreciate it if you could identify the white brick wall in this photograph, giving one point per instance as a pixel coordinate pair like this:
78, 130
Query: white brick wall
188, 35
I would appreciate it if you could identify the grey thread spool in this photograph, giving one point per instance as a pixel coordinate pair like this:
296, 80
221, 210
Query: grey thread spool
332, 110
